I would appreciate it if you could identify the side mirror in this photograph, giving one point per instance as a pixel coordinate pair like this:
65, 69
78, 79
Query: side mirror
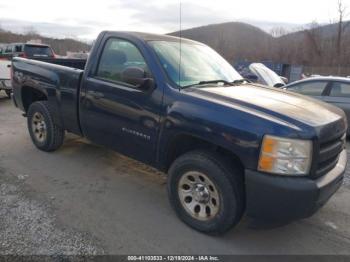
137, 76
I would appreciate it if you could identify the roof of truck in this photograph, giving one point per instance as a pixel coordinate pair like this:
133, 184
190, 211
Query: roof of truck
153, 37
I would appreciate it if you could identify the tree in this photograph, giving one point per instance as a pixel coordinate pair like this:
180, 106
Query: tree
342, 14
314, 40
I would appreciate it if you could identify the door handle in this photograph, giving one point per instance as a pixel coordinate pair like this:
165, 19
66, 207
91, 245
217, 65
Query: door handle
96, 95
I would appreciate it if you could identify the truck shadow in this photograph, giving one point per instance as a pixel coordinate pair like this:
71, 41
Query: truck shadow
257, 224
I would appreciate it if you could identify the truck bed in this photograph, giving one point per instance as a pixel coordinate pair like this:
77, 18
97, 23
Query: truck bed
74, 63
70, 62
59, 83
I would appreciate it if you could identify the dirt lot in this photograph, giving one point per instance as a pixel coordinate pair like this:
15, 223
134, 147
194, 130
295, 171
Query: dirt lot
85, 199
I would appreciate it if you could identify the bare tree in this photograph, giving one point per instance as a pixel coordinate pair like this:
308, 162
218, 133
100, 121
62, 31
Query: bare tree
314, 39
342, 14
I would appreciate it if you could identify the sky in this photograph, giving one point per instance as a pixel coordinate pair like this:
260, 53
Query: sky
85, 19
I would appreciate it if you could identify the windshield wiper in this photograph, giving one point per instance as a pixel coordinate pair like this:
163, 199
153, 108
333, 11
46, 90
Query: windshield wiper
236, 82
209, 82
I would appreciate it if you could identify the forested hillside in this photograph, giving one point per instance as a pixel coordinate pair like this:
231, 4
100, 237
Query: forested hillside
60, 46
314, 46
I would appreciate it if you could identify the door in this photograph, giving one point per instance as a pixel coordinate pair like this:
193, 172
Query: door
339, 95
115, 113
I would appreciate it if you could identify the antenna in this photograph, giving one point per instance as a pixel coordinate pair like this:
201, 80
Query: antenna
180, 48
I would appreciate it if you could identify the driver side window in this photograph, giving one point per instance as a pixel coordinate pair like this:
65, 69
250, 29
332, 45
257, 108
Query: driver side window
117, 55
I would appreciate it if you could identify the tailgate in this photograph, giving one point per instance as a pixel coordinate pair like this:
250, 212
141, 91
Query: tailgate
5, 69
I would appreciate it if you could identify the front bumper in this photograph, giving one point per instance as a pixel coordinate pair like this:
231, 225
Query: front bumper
282, 198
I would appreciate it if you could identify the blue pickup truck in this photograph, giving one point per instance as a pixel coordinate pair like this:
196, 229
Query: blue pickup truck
229, 147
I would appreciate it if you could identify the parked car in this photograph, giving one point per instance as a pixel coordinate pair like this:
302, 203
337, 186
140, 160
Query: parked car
228, 146
333, 90
28, 50
5, 76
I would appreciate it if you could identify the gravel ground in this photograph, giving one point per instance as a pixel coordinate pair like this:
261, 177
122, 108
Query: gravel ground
28, 225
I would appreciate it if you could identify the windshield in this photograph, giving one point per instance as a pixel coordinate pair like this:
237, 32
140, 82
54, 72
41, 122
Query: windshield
199, 63
36, 50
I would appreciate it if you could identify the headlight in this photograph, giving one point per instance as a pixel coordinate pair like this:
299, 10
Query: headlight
285, 156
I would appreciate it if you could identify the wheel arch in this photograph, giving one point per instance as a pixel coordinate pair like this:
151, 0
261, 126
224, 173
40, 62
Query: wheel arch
30, 95
183, 143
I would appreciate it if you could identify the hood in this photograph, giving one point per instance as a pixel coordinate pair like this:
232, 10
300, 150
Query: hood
266, 76
274, 102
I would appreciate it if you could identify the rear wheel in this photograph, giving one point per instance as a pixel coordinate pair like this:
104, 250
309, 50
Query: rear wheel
206, 192
46, 134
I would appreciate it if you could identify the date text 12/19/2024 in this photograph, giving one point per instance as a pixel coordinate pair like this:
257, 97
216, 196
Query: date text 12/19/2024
173, 258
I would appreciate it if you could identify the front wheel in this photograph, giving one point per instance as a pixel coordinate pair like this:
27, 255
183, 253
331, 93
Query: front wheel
45, 133
206, 192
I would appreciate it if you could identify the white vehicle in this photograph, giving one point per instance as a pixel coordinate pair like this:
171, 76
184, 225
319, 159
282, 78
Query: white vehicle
266, 76
5, 77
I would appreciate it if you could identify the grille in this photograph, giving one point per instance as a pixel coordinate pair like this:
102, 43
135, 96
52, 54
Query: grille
329, 154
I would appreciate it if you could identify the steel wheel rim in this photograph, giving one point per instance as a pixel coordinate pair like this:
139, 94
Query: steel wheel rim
39, 127
198, 195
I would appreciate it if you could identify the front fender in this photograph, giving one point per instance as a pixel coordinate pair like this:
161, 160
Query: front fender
206, 124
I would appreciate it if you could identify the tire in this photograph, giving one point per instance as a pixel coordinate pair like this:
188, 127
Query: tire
222, 180
40, 121
8, 93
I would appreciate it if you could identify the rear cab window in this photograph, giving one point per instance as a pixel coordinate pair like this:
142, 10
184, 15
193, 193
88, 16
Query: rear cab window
38, 51
8, 49
18, 48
